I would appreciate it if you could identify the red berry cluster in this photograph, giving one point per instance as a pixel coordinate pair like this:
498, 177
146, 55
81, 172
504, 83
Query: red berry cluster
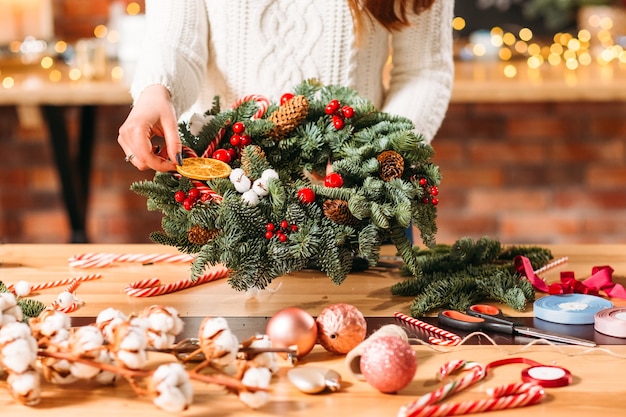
430, 192
339, 113
280, 231
187, 199
238, 140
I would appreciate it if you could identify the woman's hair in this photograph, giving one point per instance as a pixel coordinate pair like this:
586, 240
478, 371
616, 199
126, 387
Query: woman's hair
391, 14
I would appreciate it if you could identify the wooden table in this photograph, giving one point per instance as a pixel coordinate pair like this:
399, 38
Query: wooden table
597, 388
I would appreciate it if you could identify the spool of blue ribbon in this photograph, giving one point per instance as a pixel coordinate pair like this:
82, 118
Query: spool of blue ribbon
570, 308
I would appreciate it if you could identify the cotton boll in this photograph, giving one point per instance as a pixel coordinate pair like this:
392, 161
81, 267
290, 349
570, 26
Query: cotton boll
85, 339
131, 359
7, 300
22, 288
260, 187
239, 179
269, 174
256, 377
250, 197
18, 355
266, 359
173, 388
212, 325
25, 387
109, 319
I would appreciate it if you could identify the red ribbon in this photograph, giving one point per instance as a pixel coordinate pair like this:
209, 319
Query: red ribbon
601, 279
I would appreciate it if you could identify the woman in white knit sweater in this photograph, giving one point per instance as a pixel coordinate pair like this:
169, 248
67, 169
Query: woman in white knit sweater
197, 49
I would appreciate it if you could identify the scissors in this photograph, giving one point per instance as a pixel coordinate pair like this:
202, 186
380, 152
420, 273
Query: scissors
488, 317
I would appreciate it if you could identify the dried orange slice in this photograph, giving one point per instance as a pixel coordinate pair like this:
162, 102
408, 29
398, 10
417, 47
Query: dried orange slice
203, 168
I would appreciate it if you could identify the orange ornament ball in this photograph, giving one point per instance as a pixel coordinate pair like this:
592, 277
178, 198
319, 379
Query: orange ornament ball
291, 327
340, 327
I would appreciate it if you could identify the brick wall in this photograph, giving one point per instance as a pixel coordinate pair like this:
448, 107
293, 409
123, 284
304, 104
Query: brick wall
534, 172
521, 172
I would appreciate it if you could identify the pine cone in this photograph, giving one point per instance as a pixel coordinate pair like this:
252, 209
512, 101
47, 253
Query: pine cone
391, 165
200, 236
246, 164
288, 116
338, 211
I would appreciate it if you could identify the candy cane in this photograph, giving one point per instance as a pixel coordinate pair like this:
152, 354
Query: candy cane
446, 338
208, 191
551, 265
215, 142
262, 101
504, 397
23, 288
526, 394
101, 260
153, 287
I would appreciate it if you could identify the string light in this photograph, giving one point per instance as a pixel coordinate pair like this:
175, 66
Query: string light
570, 50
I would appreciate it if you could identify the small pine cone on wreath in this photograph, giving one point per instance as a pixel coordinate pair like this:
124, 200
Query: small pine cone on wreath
288, 116
391, 165
338, 211
246, 164
200, 236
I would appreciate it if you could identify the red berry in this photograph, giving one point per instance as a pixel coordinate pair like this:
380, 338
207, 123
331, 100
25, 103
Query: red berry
294, 228
232, 152
435, 201
194, 193
180, 196
284, 224
423, 181
285, 98
306, 195
283, 238
425, 200
333, 180
270, 227
222, 155
332, 107
347, 111
269, 234
434, 190
245, 140
338, 122
239, 127
188, 203
235, 140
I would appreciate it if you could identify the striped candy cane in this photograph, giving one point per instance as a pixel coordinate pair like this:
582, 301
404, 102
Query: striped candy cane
23, 288
445, 338
153, 287
101, 260
263, 104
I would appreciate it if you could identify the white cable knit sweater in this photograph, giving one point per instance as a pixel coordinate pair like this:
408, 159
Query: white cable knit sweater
202, 48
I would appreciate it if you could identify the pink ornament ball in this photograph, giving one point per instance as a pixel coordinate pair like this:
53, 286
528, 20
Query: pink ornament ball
388, 363
293, 327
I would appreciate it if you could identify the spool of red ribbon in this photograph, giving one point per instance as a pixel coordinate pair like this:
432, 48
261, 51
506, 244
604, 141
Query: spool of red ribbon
545, 375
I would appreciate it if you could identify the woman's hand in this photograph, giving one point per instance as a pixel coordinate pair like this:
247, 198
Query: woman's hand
152, 115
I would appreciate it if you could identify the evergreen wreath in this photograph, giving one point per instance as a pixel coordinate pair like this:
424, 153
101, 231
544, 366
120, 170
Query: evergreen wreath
271, 216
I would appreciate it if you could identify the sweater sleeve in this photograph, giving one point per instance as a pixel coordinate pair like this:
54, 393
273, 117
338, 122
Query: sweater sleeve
422, 74
174, 51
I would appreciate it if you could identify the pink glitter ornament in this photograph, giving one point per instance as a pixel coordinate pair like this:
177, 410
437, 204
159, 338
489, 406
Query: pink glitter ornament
388, 363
